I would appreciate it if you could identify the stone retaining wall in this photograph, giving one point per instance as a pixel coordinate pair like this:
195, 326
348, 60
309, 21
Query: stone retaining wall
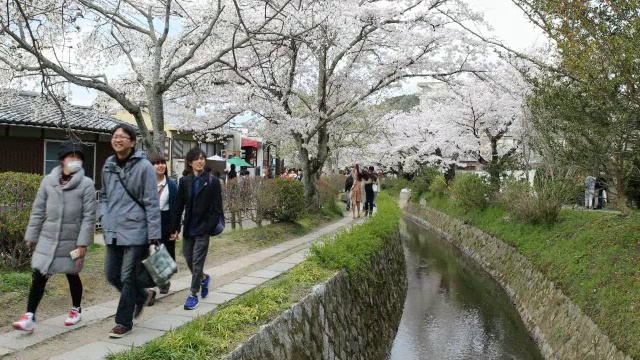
560, 328
343, 318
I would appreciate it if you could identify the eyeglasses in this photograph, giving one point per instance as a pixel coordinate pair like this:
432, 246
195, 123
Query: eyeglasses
120, 137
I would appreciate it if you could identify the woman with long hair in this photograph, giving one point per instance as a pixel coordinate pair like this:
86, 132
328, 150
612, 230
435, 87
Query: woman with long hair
167, 192
356, 190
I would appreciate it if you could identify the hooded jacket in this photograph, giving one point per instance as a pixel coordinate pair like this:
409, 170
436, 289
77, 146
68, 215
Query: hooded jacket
62, 218
121, 217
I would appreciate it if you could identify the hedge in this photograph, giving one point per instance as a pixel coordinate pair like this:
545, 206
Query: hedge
17, 193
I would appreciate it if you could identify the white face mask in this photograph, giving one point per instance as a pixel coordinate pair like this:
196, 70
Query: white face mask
74, 165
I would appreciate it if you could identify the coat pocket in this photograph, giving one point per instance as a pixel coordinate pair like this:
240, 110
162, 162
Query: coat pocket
134, 220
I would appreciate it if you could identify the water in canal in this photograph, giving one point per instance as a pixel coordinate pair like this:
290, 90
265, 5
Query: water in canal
453, 309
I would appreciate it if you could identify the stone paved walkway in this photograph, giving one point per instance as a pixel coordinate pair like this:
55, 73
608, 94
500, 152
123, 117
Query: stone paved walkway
89, 339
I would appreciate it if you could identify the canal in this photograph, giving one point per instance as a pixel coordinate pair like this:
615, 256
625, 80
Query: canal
453, 309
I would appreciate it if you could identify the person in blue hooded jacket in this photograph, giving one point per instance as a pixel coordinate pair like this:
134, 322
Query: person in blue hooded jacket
130, 218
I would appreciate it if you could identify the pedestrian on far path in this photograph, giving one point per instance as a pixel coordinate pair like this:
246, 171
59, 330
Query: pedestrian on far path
130, 217
167, 193
232, 173
348, 184
590, 191
60, 228
200, 198
368, 179
356, 190
376, 185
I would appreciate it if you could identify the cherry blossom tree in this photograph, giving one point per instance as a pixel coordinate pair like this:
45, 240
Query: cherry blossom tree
339, 57
458, 120
426, 135
134, 51
491, 108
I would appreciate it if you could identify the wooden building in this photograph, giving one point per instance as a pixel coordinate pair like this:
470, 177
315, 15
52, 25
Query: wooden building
32, 127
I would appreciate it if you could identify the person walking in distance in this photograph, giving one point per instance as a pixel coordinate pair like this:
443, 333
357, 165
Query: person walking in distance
348, 184
167, 193
589, 192
368, 179
60, 228
130, 217
376, 185
200, 198
356, 190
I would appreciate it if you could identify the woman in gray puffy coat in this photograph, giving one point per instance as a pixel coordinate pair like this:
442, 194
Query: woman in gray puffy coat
60, 228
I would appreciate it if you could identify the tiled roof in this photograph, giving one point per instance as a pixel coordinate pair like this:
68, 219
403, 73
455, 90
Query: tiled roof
28, 108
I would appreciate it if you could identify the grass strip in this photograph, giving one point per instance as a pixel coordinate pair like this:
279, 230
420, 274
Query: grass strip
215, 334
592, 256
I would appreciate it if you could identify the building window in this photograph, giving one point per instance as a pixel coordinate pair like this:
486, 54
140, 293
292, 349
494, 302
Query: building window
167, 145
51, 159
176, 149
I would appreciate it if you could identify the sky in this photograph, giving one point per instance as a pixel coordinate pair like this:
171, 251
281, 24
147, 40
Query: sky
509, 23
507, 20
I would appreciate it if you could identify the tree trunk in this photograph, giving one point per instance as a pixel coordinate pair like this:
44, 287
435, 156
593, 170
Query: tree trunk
621, 196
156, 111
310, 192
313, 166
494, 166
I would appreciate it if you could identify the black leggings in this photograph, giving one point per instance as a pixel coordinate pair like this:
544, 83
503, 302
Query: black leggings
38, 283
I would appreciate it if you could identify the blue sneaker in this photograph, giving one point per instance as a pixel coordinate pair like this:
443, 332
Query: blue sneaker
191, 303
205, 286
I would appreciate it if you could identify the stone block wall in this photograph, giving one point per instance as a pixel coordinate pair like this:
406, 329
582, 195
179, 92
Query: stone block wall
346, 317
560, 328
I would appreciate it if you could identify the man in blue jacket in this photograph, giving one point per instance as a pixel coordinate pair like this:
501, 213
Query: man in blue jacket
200, 198
130, 217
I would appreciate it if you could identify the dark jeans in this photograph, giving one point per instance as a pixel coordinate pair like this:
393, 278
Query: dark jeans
195, 251
38, 283
368, 203
122, 266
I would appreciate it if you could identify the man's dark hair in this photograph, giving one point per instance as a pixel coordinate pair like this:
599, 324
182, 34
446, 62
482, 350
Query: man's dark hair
371, 168
194, 154
130, 131
233, 167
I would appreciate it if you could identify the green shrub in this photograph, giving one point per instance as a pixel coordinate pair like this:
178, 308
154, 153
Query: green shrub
470, 191
541, 206
17, 193
439, 186
335, 183
328, 190
422, 181
262, 197
290, 203
394, 185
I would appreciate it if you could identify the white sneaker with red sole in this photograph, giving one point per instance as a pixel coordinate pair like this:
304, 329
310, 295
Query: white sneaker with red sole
26, 323
74, 317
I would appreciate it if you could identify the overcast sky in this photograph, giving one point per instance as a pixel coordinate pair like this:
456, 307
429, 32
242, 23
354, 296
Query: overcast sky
509, 24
